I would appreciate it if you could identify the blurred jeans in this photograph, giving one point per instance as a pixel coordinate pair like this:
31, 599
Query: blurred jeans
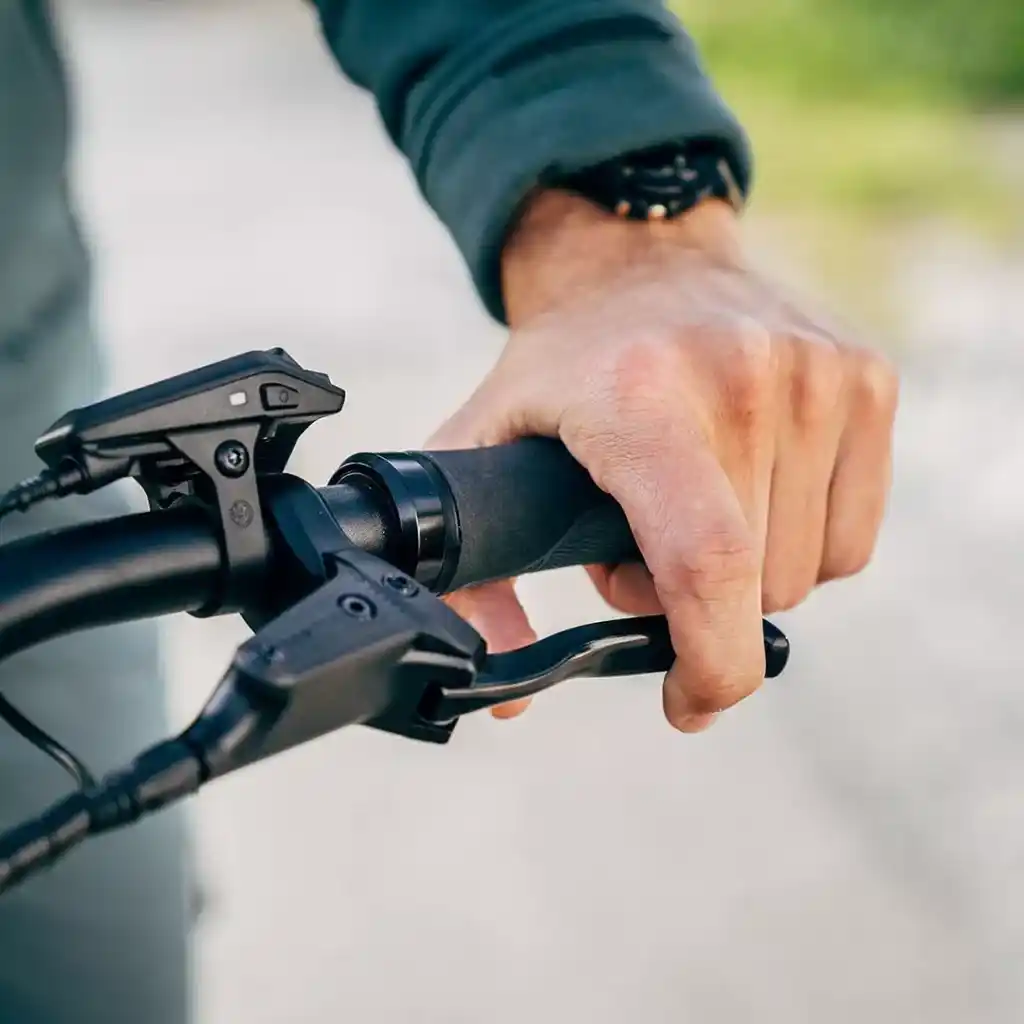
103, 938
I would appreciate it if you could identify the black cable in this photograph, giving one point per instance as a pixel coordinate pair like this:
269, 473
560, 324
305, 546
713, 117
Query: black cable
162, 775
50, 483
43, 741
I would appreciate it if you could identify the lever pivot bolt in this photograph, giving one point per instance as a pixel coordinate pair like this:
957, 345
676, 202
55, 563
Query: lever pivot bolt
231, 458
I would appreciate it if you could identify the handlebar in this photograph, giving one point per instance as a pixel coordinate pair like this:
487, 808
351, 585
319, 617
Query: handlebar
114, 570
483, 514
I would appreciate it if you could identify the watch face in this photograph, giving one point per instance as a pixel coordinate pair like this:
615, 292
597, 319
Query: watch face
658, 184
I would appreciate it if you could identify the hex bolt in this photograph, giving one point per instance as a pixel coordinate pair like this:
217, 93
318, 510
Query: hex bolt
231, 458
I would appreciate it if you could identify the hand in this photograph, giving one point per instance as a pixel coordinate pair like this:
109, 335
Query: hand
748, 444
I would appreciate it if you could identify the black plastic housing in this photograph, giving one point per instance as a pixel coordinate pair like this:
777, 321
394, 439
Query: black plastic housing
268, 387
210, 437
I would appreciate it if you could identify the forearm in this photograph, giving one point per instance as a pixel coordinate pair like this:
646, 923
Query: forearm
484, 98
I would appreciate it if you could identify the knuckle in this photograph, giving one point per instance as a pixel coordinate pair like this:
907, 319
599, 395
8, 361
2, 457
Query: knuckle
749, 367
723, 563
817, 383
643, 370
876, 384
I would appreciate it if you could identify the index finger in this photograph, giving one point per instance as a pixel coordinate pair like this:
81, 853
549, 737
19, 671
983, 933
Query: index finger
694, 536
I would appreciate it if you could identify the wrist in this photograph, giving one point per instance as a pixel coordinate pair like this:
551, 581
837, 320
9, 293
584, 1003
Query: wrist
564, 244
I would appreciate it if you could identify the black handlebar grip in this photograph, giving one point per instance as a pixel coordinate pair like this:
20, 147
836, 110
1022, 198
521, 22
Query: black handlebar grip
529, 506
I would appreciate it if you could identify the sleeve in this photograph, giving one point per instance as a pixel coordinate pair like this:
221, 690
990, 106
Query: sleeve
485, 96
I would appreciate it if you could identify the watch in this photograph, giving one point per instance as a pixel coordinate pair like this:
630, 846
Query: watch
658, 183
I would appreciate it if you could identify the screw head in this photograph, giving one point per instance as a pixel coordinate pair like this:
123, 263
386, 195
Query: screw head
231, 458
401, 584
356, 606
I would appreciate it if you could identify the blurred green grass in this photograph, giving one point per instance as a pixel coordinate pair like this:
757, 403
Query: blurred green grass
870, 110
868, 119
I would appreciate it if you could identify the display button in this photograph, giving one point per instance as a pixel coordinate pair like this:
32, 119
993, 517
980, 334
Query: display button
279, 396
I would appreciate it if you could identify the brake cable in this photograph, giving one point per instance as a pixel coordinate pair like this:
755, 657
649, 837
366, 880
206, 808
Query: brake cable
20, 498
43, 741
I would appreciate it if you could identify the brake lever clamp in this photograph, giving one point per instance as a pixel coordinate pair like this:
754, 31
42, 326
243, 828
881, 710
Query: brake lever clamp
361, 649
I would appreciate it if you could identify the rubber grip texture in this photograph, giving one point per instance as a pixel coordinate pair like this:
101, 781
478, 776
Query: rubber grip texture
526, 507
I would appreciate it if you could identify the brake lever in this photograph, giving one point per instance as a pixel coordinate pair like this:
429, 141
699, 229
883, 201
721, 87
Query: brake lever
619, 647
419, 688
370, 646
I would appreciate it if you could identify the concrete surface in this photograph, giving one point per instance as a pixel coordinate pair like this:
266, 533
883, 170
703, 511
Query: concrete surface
846, 847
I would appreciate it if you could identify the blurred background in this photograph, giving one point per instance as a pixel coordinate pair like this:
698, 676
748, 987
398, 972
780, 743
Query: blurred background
846, 846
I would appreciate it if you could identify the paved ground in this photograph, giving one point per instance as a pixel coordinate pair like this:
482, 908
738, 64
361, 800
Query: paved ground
847, 847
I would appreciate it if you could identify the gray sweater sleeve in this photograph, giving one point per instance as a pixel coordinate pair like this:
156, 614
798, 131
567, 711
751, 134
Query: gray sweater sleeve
484, 96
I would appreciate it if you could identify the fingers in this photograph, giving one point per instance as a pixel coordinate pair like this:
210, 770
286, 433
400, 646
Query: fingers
495, 612
863, 468
642, 447
628, 588
751, 467
814, 393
